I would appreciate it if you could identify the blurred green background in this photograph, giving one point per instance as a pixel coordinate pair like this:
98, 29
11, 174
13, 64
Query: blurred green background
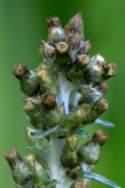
22, 26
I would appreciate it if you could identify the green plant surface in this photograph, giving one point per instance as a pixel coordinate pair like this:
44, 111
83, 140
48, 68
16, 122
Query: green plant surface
22, 25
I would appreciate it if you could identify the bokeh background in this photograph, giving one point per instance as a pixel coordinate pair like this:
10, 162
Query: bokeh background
22, 26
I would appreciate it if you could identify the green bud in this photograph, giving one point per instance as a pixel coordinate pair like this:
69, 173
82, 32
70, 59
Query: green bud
40, 175
76, 74
28, 79
56, 33
33, 107
71, 142
90, 153
21, 171
49, 100
75, 172
94, 70
52, 118
62, 59
74, 119
97, 70
99, 107
84, 114
69, 158
47, 78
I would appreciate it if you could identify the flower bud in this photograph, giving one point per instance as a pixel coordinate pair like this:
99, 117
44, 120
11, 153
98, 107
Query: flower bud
94, 70
56, 33
74, 28
82, 60
75, 24
33, 108
100, 137
20, 71
79, 184
109, 70
47, 78
53, 22
62, 48
69, 158
21, 171
48, 51
76, 73
52, 118
97, 70
40, 174
74, 119
71, 142
100, 107
49, 100
28, 79
75, 172
90, 153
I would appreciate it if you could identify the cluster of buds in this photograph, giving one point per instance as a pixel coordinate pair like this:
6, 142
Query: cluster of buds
63, 95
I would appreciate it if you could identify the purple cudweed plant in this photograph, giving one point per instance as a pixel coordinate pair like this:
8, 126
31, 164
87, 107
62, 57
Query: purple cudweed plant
63, 96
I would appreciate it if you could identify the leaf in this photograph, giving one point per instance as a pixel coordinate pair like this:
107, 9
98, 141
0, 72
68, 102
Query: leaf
104, 123
101, 179
38, 134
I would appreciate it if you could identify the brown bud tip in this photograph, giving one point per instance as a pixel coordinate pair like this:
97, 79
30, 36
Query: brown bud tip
20, 71
28, 106
47, 50
49, 100
79, 184
13, 157
102, 105
100, 137
109, 70
31, 104
82, 60
62, 47
75, 24
53, 22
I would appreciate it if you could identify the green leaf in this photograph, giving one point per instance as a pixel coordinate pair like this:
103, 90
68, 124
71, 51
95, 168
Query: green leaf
101, 179
38, 134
